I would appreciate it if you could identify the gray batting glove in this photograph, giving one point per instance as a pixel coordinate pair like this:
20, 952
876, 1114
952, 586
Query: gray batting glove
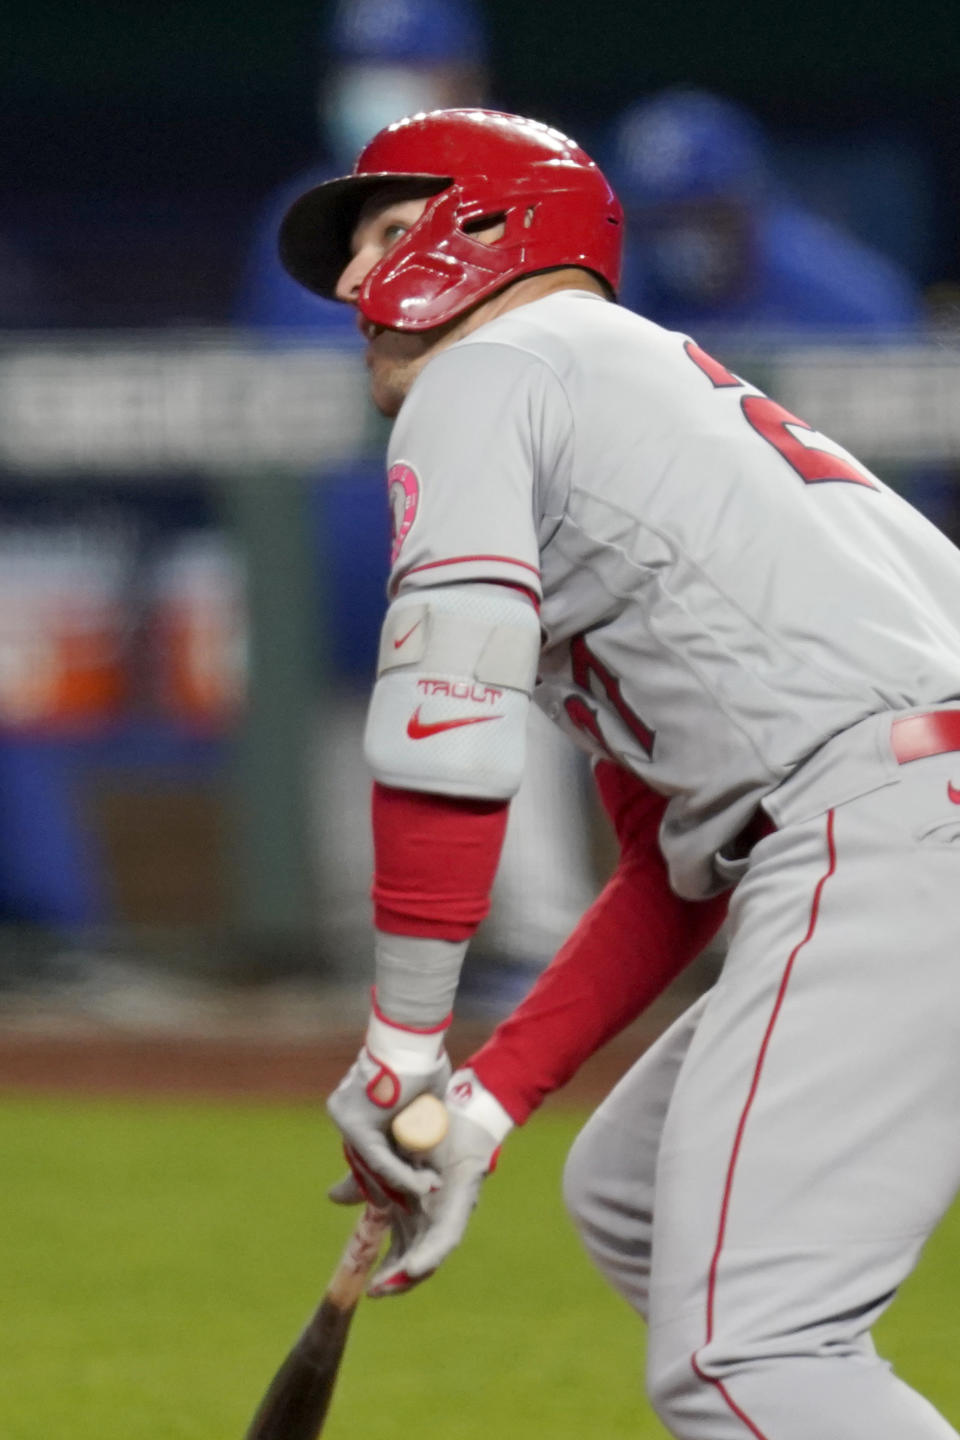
478, 1126
395, 1065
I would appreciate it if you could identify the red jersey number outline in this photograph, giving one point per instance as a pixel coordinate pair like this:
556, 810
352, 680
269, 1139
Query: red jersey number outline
772, 421
584, 664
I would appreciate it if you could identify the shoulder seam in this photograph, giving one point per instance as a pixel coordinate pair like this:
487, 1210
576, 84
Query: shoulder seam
532, 355
479, 339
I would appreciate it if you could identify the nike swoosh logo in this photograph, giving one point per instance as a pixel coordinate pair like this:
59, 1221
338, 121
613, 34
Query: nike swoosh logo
953, 793
404, 638
417, 730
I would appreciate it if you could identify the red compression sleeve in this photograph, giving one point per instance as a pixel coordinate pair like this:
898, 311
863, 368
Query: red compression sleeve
435, 859
636, 937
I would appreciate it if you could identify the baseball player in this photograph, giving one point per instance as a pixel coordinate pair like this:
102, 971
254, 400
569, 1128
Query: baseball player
759, 644
716, 239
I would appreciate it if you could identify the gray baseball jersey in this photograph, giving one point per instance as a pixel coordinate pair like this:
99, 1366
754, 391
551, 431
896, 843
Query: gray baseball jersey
723, 589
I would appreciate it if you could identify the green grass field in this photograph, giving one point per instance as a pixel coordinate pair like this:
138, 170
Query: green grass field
156, 1259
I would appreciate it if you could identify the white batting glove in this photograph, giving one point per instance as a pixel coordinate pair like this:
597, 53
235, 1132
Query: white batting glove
395, 1064
478, 1126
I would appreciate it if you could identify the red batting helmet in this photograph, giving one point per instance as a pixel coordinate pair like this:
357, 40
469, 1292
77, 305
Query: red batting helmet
481, 166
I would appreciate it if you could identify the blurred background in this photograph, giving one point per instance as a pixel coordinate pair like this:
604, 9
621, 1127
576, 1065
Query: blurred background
193, 527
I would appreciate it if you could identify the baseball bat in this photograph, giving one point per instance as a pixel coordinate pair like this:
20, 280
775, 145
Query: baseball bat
298, 1397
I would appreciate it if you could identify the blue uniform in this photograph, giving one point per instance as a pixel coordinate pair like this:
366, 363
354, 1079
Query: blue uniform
268, 298
803, 274
711, 240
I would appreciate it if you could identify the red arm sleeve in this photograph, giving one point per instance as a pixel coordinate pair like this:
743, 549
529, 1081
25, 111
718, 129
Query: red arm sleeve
435, 858
636, 937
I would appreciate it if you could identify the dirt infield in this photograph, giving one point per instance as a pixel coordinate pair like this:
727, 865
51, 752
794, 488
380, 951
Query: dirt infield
51, 1050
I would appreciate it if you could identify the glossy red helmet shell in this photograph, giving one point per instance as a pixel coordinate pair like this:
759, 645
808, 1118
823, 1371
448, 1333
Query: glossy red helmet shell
557, 207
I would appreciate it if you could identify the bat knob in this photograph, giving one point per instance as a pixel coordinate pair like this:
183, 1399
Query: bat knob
421, 1125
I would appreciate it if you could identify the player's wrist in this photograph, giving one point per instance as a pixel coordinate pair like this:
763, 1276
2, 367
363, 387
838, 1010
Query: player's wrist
468, 1096
416, 978
396, 1062
410, 1049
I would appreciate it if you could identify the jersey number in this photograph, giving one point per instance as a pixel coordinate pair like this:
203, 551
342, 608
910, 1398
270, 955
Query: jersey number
777, 426
582, 715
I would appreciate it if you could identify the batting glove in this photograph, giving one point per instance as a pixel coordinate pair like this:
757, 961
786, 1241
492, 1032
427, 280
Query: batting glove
395, 1065
478, 1126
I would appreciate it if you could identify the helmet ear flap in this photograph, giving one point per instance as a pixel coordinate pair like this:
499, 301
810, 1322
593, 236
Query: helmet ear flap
437, 270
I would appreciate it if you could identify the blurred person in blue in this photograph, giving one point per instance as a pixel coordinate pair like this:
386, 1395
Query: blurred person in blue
714, 240
383, 59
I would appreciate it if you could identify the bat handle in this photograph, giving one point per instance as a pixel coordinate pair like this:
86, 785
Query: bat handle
298, 1398
418, 1128
359, 1257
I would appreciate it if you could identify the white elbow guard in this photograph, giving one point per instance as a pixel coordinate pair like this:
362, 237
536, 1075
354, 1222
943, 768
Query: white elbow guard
456, 670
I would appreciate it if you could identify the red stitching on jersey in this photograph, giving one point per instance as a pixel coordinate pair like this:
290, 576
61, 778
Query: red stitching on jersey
741, 1127
469, 559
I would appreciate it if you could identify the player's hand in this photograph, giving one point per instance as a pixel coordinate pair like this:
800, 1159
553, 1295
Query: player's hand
422, 1240
394, 1065
406, 1216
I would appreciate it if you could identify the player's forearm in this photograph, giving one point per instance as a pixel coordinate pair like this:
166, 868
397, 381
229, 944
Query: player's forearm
635, 939
435, 859
632, 942
445, 739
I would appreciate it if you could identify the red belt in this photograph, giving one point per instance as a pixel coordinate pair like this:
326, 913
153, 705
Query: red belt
917, 736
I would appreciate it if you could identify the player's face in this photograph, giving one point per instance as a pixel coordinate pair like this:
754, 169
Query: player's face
394, 358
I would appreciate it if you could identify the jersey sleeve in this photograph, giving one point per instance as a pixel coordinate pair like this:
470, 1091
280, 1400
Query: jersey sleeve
480, 427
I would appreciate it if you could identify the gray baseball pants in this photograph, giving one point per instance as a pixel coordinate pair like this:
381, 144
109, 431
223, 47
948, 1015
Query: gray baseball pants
763, 1179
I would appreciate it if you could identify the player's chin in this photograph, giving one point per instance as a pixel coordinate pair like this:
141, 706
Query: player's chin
386, 402
386, 394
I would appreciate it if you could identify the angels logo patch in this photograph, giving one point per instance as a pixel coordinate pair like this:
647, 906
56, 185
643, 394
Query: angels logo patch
403, 488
